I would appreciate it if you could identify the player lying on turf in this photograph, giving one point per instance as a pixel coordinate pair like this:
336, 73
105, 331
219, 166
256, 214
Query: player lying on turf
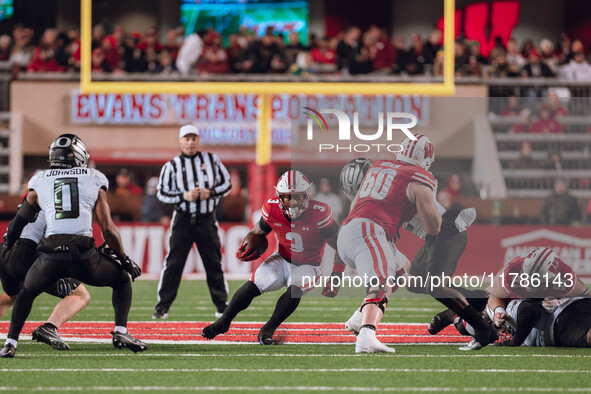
439, 255
303, 227
14, 266
540, 301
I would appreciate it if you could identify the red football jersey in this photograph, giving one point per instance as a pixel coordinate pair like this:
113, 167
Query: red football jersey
300, 241
512, 281
383, 195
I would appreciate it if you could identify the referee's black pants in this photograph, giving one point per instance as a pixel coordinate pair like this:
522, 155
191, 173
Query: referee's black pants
203, 231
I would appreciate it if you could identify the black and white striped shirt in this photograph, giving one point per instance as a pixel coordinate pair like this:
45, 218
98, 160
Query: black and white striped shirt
184, 173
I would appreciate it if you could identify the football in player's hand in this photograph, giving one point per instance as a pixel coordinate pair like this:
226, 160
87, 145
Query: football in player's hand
257, 242
252, 248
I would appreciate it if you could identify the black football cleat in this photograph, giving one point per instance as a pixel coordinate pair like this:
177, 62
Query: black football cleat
160, 314
440, 321
214, 329
486, 336
121, 340
49, 336
266, 335
7, 351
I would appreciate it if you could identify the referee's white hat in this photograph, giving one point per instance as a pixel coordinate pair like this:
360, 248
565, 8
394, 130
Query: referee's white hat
188, 129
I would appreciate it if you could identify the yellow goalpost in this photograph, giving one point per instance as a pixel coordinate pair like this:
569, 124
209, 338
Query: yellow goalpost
267, 89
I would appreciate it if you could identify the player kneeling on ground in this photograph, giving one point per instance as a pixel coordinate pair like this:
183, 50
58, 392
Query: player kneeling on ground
303, 227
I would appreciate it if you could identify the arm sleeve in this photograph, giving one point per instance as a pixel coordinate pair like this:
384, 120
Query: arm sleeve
263, 225
168, 192
528, 314
222, 180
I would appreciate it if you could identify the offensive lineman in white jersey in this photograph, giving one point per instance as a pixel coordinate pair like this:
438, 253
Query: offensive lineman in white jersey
69, 193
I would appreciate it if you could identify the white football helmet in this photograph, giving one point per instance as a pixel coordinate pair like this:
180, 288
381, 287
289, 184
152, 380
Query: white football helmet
295, 185
419, 152
540, 261
352, 175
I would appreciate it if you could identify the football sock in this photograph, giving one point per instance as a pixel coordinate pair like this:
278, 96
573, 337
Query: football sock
50, 326
476, 298
286, 305
20, 312
473, 317
370, 326
121, 329
121, 301
11, 342
240, 301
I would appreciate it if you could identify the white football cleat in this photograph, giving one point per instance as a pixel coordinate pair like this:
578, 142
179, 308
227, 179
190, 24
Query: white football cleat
368, 343
354, 322
473, 345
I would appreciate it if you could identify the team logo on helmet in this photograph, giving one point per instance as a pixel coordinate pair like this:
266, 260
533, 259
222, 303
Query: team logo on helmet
294, 187
419, 152
68, 151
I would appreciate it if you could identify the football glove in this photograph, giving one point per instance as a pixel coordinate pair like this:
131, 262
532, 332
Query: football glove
131, 267
244, 254
65, 287
4, 249
331, 290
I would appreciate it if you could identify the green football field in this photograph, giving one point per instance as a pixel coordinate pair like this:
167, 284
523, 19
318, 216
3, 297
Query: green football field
179, 361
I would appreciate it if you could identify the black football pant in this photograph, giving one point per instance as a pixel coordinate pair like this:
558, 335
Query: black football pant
14, 269
92, 268
204, 232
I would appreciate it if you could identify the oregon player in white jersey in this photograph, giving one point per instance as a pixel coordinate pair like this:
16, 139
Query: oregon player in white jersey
69, 193
13, 270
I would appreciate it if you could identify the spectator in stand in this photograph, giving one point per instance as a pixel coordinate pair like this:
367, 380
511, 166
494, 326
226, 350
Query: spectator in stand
124, 186
294, 46
150, 47
152, 208
111, 51
515, 59
549, 55
327, 196
526, 160
553, 105
577, 69
190, 51
174, 40
323, 53
534, 67
524, 122
513, 107
98, 34
461, 57
545, 123
214, 59
415, 57
5, 47
499, 68
62, 55
133, 59
563, 50
265, 56
454, 185
44, 57
352, 57
527, 47
380, 50
589, 212
475, 51
400, 54
22, 51
99, 61
73, 49
560, 208
433, 46
438, 65
165, 63
554, 161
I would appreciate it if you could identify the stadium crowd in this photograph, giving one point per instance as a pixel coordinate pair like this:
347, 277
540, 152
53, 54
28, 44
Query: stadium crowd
353, 51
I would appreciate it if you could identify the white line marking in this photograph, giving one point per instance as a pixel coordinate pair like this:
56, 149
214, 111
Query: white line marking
282, 370
296, 388
148, 354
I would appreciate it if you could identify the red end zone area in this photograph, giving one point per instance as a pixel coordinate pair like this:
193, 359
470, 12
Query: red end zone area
170, 332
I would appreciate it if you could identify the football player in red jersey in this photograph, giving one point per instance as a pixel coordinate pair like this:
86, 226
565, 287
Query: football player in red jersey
391, 193
303, 227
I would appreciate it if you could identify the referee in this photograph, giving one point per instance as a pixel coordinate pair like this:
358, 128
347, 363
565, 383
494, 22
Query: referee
194, 182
